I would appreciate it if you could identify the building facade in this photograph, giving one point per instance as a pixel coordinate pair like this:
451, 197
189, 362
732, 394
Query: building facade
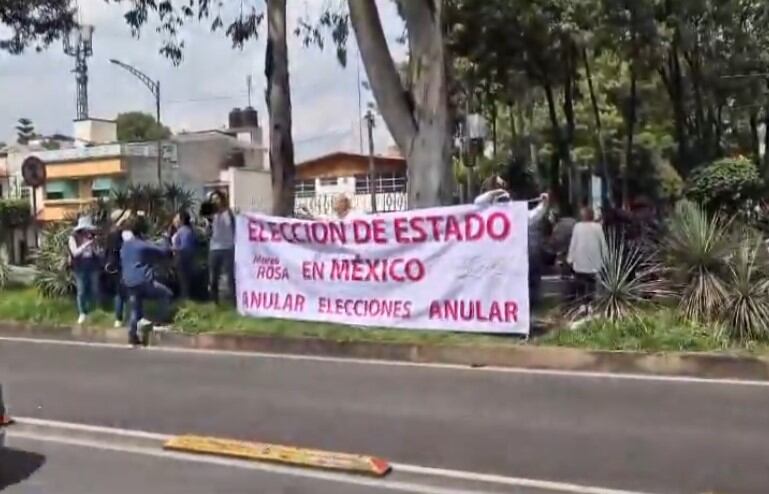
321, 179
96, 165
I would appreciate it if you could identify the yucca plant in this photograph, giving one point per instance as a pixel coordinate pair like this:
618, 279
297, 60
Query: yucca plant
53, 278
629, 280
695, 250
746, 311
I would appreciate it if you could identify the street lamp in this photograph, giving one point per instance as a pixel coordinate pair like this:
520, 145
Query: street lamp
78, 43
154, 87
370, 123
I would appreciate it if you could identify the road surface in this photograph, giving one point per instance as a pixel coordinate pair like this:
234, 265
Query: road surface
644, 435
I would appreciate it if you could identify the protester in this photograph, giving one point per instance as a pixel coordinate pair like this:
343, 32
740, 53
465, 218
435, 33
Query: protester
221, 259
586, 253
85, 263
117, 235
343, 207
139, 278
183, 244
497, 193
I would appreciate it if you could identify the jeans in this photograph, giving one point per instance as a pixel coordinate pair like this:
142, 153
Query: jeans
87, 286
222, 262
185, 272
121, 297
152, 290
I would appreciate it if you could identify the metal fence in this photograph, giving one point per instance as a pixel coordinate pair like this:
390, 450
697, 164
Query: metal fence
323, 204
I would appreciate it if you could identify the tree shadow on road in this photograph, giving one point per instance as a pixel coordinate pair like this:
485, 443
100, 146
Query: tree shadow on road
17, 466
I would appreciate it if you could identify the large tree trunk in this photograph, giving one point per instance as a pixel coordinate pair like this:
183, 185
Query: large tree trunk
562, 149
420, 122
673, 79
278, 98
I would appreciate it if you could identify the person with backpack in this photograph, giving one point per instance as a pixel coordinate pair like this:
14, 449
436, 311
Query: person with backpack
183, 243
84, 259
221, 256
137, 258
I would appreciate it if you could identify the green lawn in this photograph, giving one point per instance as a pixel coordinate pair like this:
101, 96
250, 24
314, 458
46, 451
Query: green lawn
659, 331
656, 332
26, 306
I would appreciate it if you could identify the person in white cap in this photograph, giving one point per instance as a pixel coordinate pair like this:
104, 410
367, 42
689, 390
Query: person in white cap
86, 266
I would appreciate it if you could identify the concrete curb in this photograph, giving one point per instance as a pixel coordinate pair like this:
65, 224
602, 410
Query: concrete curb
698, 365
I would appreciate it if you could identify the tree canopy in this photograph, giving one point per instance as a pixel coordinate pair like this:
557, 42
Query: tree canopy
139, 126
33, 22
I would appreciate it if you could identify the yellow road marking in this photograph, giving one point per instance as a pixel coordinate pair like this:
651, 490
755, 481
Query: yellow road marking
274, 453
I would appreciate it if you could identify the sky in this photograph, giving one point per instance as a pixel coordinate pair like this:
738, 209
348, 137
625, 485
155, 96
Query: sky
199, 93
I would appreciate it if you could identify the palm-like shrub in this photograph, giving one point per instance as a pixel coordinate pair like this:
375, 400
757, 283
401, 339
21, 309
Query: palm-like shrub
158, 204
629, 280
695, 250
53, 278
745, 313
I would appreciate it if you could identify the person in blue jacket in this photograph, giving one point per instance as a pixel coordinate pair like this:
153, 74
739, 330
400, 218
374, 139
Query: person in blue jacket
137, 257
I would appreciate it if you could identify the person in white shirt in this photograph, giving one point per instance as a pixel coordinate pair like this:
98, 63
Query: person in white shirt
586, 255
84, 259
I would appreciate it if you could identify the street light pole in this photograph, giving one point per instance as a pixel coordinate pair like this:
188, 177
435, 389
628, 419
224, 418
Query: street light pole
154, 87
370, 122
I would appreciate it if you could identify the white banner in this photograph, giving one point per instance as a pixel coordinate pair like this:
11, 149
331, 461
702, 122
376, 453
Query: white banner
462, 268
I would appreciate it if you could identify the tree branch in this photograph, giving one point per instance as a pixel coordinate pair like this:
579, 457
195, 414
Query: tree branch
382, 73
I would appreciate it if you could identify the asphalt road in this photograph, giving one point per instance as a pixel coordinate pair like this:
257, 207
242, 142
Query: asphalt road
38, 467
647, 435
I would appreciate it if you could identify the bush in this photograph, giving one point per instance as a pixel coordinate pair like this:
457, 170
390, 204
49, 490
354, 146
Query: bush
53, 278
158, 204
650, 331
695, 250
746, 311
730, 184
14, 213
628, 282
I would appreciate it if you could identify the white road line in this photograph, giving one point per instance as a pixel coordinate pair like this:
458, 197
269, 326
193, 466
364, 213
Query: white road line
391, 363
511, 481
92, 429
57, 430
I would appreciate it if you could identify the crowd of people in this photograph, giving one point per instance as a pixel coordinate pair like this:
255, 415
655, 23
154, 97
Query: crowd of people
130, 263
129, 260
577, 246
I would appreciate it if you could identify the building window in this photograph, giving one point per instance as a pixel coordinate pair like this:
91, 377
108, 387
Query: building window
305, 188
61, 189
103, 187
329, 181
362, 184
391, 182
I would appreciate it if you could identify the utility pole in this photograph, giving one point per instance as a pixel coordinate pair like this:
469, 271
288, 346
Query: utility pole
370, 122
154, 87
78, 43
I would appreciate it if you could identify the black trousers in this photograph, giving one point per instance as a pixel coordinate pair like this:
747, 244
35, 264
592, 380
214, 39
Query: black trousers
584, 287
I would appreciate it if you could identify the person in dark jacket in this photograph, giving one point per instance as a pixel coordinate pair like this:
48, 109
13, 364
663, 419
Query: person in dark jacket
117, 235
138, 274
183, 243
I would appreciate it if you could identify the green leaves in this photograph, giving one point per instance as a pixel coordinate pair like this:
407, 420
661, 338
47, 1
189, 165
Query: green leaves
138, 126
727, 184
